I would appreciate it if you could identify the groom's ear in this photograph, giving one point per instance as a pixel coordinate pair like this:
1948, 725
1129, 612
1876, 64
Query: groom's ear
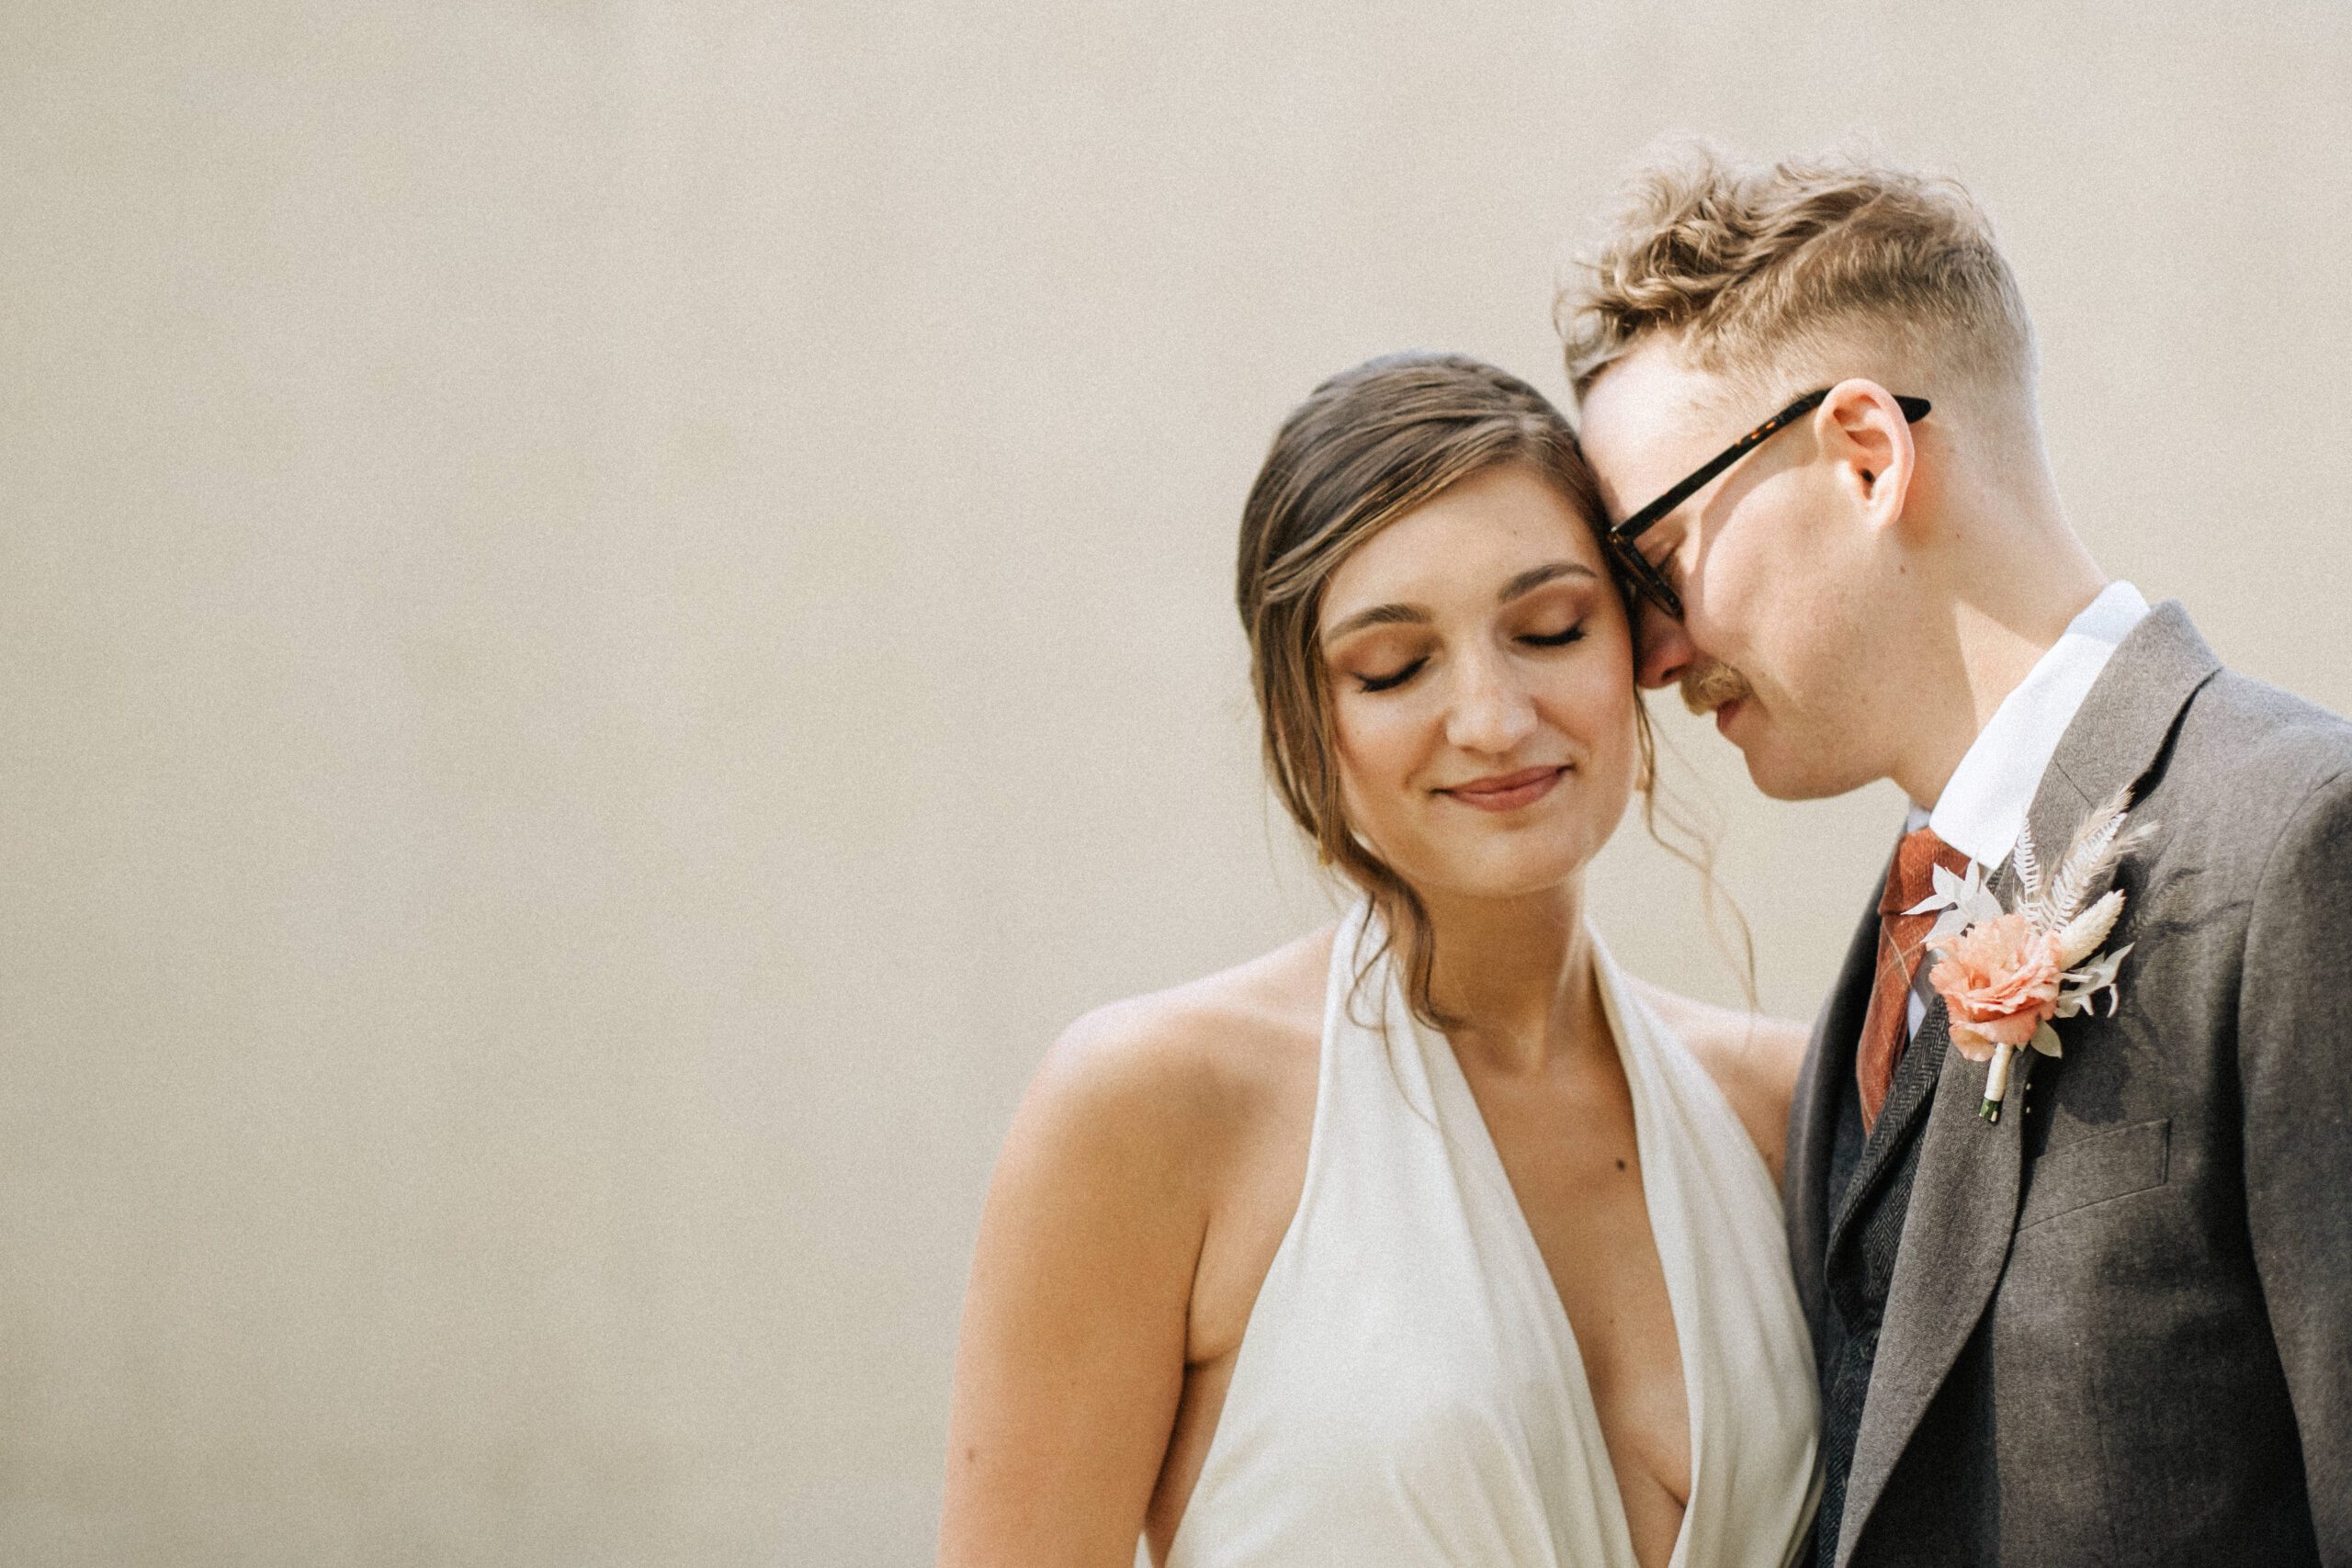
1862, 432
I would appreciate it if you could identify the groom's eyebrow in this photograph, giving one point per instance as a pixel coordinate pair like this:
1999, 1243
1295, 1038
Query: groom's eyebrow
1527, 581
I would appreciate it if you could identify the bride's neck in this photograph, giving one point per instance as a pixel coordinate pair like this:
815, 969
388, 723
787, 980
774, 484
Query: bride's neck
1519, 973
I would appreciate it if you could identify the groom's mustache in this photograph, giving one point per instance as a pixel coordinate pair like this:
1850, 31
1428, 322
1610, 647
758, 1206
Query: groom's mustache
1708, 686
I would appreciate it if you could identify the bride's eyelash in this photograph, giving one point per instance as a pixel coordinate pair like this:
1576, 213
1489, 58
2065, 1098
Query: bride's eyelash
1547, 639
1382, 682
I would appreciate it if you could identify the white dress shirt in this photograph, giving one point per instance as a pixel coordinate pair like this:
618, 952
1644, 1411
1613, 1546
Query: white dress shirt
1983, 808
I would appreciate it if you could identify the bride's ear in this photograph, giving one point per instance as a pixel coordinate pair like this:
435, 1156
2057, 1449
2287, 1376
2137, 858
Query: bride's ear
1862, 432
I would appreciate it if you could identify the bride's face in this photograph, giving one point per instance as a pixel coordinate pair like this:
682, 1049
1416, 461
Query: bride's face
1481, 676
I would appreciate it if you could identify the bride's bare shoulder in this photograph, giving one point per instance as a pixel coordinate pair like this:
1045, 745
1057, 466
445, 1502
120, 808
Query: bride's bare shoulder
1753, 1058
1191, 1057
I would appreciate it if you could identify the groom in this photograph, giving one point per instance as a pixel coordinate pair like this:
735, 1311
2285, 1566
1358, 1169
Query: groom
2113, 1325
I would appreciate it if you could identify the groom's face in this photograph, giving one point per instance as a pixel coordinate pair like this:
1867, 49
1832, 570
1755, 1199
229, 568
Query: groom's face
1771, 563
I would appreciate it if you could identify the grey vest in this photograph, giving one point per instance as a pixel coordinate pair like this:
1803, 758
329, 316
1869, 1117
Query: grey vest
1869, 1189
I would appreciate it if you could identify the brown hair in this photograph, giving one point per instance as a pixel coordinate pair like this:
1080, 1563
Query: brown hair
1366, 447
1750, 267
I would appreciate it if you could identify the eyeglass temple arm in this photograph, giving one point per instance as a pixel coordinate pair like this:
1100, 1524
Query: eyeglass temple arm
1914, 411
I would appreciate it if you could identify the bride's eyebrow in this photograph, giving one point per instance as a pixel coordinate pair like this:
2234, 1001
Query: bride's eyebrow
1536, 577
1378, 616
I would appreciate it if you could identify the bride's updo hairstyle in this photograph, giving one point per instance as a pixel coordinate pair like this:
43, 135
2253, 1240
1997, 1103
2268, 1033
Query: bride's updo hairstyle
1367, 446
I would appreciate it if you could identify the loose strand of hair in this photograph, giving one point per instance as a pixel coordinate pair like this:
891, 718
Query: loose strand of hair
1668, 816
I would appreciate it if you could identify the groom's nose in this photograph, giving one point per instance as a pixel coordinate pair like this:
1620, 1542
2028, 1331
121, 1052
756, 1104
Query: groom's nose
1665, 649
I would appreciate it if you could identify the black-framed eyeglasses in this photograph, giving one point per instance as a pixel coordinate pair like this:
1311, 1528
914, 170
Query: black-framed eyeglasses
1646, 579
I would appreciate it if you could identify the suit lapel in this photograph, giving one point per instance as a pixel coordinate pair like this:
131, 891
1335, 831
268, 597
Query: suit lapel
1963, 1201
1907, 1099
1956, 1234
1813, 1119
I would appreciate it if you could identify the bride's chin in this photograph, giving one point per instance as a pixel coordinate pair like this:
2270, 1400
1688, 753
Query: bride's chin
1517, 878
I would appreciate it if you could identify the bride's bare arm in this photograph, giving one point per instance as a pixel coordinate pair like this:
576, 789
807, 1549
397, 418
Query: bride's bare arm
1072, 1354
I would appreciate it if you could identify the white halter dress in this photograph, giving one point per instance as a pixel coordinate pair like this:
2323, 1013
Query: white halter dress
1408, 1390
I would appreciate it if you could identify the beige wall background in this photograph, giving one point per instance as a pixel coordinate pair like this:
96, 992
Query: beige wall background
610, 613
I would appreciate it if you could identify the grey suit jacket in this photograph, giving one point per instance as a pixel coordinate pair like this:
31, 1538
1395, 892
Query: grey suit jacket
2120, 1323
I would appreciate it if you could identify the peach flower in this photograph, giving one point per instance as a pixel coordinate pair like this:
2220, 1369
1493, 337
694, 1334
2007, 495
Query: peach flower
2000, 980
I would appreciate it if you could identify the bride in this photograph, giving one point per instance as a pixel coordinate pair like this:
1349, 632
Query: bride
1431, 1237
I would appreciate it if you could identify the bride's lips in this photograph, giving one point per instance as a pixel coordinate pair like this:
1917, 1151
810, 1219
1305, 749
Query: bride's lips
1726, 712
1507, 791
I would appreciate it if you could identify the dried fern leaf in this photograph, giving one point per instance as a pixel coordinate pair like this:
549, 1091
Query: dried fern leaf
2029, 867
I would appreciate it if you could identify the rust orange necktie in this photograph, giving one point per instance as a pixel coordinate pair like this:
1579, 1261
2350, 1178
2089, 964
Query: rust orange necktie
1885, 1028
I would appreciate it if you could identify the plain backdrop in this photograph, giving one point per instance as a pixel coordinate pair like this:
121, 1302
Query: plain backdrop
610, 614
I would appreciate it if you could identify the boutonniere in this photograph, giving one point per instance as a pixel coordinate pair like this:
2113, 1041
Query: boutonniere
2005, 974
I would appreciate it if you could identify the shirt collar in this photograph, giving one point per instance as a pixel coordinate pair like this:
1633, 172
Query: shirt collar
1984, 807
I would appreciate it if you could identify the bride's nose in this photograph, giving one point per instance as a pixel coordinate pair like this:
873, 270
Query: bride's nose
1487, 709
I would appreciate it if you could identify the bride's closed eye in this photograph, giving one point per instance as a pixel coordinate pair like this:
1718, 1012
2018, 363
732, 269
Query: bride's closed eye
1388, 682
1571, 633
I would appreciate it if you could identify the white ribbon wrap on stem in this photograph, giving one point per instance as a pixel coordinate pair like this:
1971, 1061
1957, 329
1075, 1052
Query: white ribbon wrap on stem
1996, 1083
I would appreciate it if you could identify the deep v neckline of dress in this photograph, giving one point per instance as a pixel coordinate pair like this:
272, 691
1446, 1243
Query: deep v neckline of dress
1677, 1269
1409, 1388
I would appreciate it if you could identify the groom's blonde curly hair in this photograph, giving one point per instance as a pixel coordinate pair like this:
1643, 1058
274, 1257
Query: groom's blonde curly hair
1765, 274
